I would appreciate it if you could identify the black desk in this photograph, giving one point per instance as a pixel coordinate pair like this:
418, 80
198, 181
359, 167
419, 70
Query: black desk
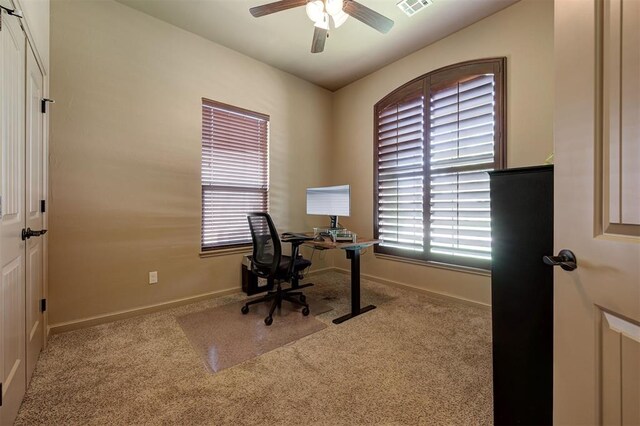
352, 251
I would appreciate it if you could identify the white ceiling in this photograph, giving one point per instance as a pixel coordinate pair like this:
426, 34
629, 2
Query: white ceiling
283, 39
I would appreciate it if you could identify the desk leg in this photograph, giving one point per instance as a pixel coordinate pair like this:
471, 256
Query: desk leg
354, 255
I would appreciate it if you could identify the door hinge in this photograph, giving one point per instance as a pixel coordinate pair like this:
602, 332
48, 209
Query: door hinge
43, 104
12, 12
43, 206
43, 305
0, 394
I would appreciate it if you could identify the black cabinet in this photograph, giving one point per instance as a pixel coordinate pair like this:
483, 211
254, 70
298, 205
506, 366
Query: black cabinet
522, 295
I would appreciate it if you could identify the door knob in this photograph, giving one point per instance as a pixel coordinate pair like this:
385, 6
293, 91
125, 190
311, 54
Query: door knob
566, 259
28, 233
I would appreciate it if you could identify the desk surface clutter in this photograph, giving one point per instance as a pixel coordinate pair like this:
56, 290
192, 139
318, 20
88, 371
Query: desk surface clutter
328, 244
344, 245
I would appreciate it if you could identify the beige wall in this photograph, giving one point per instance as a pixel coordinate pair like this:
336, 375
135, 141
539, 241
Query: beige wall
125, 156
125, 148
524, 34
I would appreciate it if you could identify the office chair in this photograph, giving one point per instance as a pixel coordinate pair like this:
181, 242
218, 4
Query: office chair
268, 262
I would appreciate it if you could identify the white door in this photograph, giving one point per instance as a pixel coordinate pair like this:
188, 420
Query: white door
12, 218
597, 212
34, 194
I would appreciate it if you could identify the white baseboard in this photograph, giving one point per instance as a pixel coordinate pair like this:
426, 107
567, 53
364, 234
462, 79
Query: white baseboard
134, 312
314, 272
142, 310
406, 286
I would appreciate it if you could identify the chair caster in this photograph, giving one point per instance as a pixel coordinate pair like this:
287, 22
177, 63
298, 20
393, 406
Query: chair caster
305, 311
268, 320
244, 310
303, 298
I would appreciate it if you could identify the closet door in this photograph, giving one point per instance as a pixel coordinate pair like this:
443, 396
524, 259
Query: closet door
12, 217
34, 194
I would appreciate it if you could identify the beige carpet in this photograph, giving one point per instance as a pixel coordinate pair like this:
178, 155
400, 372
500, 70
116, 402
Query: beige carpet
224, 337
414, 360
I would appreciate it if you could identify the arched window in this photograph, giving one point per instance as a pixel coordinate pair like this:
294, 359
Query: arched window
436, 138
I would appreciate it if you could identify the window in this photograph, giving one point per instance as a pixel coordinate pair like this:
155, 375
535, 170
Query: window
436, 138
235, 173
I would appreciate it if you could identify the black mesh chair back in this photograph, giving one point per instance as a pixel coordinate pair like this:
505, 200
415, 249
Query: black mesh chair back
268, 262
267, 250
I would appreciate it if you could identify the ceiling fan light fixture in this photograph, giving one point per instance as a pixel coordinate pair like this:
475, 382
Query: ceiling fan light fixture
323, 22
334, 7
339, 19
315, 10
323, 13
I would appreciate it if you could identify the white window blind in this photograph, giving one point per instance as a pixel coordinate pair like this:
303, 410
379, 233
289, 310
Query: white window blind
235, 174
400, 168
436, 138
461, 150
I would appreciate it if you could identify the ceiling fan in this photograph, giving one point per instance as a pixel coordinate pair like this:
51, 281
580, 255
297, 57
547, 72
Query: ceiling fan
322, 12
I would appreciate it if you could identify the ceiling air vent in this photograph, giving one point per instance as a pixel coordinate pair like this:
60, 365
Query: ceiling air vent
411, 7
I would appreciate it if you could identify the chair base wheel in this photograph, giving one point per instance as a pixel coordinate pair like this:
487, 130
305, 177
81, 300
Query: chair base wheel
305, 311
268, 320
244, 310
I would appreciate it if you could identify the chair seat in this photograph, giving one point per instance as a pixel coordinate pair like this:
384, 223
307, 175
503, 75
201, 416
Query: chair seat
300, 264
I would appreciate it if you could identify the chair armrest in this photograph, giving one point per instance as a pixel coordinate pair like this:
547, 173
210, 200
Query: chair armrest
295, 239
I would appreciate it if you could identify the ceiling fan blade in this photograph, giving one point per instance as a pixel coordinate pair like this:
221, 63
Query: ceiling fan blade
319, 38
367, 16
274, 7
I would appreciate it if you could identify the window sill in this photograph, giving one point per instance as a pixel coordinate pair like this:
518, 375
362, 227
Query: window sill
454, 268
226, 251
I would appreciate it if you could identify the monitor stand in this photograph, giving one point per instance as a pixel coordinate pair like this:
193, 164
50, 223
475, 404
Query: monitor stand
334, 222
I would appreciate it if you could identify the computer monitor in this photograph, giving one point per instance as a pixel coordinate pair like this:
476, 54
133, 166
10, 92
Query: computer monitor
332, 201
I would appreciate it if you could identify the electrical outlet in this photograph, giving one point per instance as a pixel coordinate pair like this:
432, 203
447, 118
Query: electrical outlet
153, 277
